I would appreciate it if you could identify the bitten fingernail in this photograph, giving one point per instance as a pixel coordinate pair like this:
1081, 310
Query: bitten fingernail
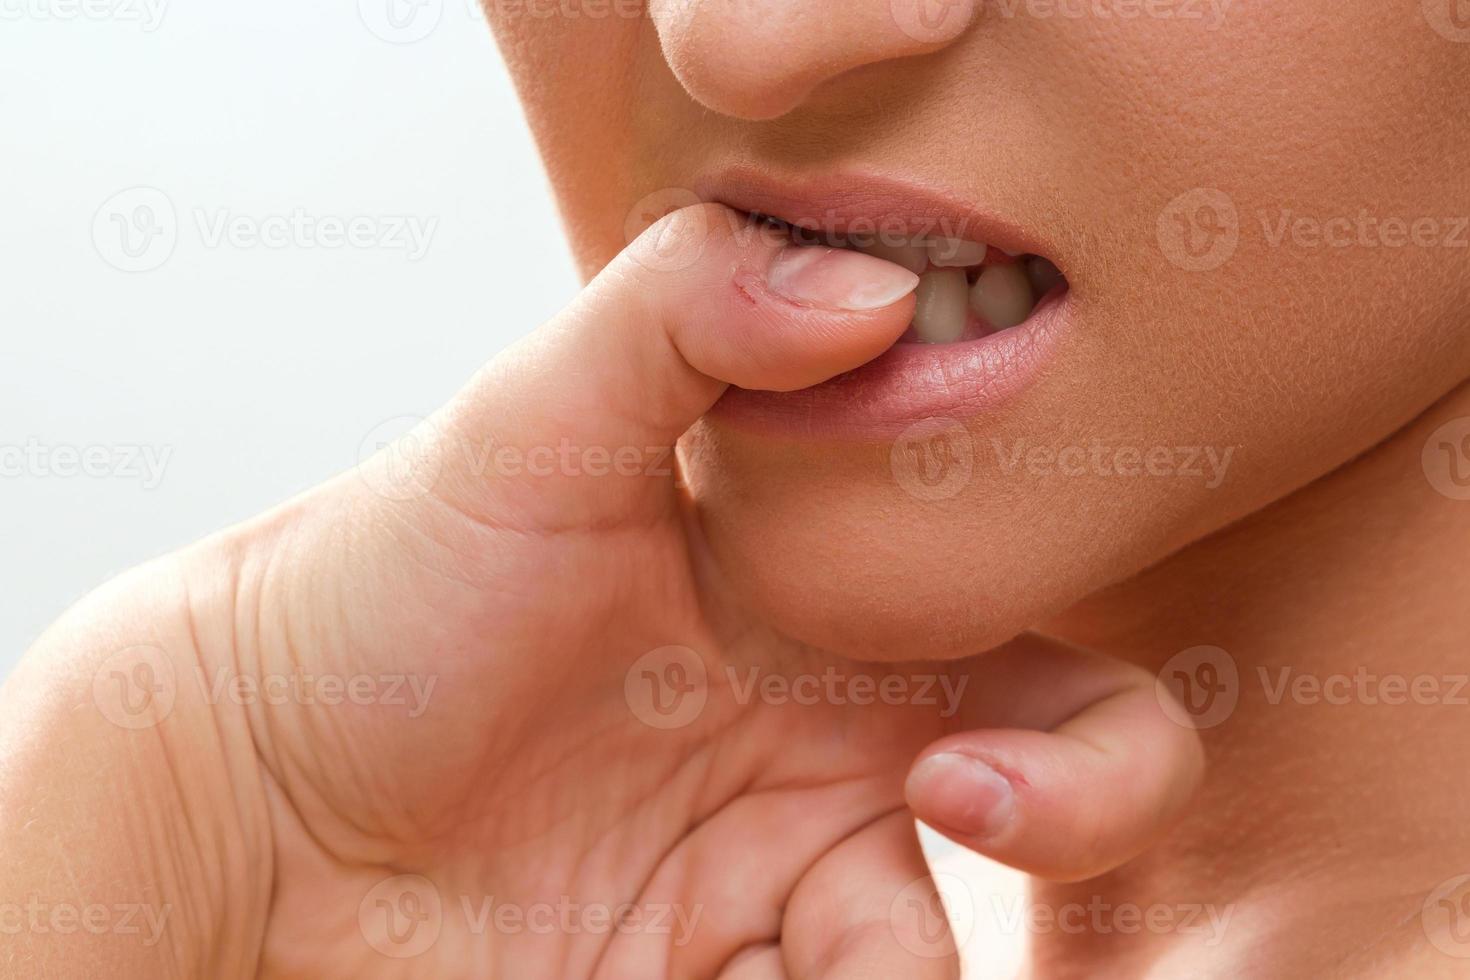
961, 794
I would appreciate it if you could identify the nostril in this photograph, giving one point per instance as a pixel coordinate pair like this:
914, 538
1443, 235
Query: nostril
742, 80
758, 61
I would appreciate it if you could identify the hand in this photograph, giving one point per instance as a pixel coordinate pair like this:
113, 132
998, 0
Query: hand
593, 725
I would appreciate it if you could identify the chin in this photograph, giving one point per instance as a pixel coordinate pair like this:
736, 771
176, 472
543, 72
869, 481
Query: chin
822, 544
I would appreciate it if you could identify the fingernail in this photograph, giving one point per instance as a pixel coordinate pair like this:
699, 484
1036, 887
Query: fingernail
837, 279
962, 794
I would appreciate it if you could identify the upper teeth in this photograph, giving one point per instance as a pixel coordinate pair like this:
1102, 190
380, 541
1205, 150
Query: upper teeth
956, 286
913, 256
955, 253
955, 282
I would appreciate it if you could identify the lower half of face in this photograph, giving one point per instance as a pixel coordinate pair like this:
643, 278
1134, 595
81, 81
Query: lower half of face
1175, 267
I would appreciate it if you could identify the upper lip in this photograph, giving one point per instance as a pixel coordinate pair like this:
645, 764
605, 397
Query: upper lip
865, 202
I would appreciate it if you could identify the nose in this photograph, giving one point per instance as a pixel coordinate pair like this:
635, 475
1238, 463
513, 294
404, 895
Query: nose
758, 59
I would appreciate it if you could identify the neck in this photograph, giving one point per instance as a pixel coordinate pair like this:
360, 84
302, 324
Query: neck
1337, 795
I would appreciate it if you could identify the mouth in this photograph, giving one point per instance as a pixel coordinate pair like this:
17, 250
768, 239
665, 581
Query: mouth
993, 299
967, 289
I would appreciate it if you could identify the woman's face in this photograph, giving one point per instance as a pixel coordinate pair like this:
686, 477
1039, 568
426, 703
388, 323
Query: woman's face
1260, 208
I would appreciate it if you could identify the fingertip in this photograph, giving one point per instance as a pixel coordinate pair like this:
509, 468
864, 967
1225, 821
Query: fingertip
838, 279
961, 795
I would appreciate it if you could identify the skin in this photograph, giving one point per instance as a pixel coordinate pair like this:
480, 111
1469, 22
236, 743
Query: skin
152, 759
269, 827
1325, 366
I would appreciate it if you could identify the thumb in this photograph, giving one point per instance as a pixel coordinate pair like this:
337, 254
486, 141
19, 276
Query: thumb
1078, 767
705, 299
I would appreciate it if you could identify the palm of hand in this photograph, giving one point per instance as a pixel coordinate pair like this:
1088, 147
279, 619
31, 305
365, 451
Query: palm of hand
596, 786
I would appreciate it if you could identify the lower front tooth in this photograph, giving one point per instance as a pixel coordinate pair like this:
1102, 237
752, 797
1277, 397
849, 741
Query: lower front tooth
939, 316
1002, 296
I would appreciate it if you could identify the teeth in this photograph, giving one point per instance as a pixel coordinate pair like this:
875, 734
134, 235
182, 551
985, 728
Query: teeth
1002, 296
939, 317
955, 253
1042, 274
912, 256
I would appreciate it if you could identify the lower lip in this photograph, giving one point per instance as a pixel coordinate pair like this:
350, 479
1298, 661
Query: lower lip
909, 383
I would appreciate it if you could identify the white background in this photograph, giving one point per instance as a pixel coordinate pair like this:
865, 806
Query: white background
248, 371
258, 370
